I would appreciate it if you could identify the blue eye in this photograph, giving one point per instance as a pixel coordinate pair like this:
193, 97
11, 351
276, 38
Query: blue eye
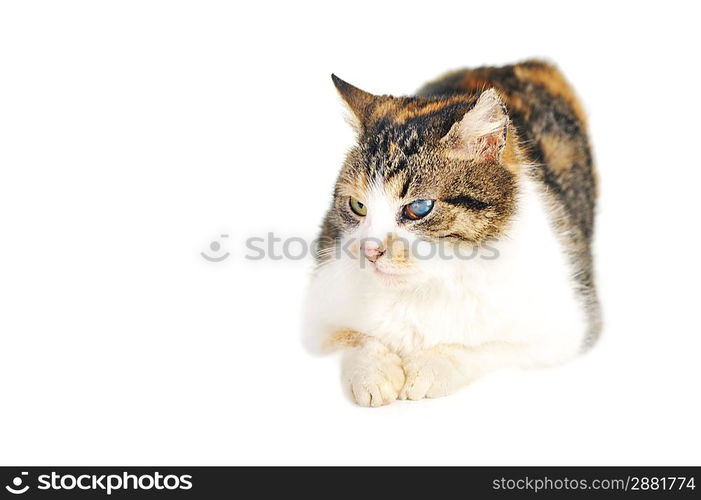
418, 209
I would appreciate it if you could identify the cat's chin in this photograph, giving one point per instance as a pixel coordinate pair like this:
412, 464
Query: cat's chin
389, 278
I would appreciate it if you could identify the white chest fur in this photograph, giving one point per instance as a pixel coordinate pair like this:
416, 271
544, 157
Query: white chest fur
526, 295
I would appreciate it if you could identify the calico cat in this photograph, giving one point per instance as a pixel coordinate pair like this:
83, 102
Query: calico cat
491, 158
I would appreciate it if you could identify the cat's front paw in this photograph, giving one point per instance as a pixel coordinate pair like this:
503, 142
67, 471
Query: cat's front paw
429, 375
374, 379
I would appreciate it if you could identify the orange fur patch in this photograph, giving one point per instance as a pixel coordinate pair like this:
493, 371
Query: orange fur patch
512, 157
397, 249
559, 151
550, 77
475, 83
416, 109
345, 338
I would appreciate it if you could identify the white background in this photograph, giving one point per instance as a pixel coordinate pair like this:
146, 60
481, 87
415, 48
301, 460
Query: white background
132, 134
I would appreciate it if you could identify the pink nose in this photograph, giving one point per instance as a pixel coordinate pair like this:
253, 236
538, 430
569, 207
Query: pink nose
372, 251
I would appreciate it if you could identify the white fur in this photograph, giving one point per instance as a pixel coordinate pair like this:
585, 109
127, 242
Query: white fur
519, 309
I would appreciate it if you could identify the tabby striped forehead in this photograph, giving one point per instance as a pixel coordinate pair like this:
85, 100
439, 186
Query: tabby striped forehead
386, 156
389, 143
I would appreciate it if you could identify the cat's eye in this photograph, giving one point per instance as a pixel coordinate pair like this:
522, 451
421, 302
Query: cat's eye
358, 208
417, 209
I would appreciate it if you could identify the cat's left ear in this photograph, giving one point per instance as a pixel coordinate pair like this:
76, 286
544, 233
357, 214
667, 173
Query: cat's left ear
360, 103
481, 133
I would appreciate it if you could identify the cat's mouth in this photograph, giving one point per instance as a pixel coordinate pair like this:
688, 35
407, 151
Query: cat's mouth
389, 273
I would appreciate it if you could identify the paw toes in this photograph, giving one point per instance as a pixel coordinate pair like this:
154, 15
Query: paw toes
428, 377
418, 388
377, 384
396, 377
376, 398
360, 394
389, 393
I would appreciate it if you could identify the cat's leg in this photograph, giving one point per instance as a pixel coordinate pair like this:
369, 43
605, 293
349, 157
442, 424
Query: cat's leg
440, 371
371, 372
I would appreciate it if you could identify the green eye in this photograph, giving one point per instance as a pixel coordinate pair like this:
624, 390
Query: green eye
418, 209
358, 208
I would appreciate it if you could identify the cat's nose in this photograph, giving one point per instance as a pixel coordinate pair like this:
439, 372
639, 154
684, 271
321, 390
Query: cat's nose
372, 251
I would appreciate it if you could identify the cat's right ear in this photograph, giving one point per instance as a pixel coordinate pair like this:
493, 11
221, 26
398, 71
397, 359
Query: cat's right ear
359, 102
481, 133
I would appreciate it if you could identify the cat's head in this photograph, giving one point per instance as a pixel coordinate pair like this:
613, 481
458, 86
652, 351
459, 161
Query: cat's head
426, 177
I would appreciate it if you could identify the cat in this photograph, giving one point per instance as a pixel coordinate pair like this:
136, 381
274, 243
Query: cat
492, 157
